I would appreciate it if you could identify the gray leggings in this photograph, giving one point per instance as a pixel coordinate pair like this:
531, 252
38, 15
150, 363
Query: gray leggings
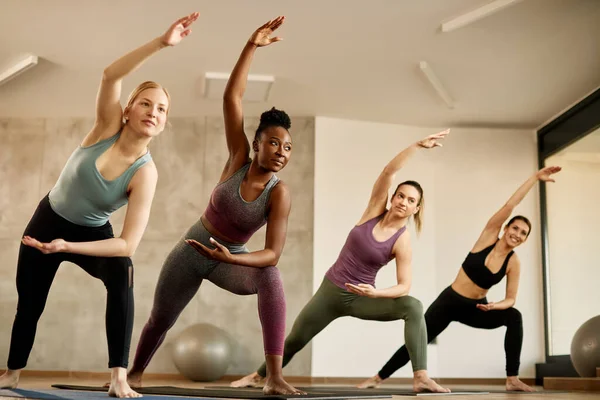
332, 302
180, 278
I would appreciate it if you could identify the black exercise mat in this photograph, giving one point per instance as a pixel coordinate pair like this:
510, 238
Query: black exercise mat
228, 392
387, 391
536, 392
350, 391
400, 391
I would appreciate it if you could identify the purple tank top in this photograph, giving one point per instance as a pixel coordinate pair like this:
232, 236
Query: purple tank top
233, 216
362, 256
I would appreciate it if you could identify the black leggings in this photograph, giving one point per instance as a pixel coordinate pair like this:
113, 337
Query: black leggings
451, 306
35, 273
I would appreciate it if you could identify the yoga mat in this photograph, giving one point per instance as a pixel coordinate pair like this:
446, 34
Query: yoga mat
227, 392
68, 395
400, 391
352, 392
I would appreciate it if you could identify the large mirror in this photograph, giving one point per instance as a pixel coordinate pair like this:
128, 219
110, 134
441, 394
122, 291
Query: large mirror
570, 217
573, 232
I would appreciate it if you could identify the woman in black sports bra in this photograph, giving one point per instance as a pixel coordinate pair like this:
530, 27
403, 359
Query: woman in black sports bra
465, 300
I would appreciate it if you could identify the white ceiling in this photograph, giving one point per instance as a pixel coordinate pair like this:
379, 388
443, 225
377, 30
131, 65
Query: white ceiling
344, 58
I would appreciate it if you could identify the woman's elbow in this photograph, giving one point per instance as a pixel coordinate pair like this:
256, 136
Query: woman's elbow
389, 171
110, 74
274, 258
127, 248
275, 261
128, 253
231, 97
406, 290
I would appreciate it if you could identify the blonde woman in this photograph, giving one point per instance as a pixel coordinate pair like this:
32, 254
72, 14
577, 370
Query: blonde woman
112, 167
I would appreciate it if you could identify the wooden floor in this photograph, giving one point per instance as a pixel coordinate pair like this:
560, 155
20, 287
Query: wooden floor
45, 383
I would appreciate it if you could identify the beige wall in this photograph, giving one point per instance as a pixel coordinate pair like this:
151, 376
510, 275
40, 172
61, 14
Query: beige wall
190, 156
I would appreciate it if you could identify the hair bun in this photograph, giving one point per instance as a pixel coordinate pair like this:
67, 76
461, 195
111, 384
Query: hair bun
275, 117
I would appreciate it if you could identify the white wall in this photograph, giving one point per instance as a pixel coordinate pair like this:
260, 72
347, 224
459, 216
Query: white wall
573, 220
477, 172
464, 183
349, 156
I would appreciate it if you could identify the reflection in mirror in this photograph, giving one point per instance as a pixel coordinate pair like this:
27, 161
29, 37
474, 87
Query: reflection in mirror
573, 209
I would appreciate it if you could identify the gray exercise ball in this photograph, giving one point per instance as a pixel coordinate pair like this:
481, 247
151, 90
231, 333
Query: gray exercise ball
202, 352
585, 348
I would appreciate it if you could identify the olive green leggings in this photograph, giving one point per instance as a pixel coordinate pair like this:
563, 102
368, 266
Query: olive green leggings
331, 302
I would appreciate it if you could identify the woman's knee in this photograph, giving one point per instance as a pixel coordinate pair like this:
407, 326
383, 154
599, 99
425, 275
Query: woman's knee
270, 277
160, 321
119, 270
413, 306
122, 264
514, 317
295, 342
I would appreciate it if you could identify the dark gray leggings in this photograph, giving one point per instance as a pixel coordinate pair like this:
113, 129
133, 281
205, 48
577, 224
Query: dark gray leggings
332, 302
180, 278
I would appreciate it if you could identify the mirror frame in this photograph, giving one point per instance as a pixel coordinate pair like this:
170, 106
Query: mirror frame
575, 123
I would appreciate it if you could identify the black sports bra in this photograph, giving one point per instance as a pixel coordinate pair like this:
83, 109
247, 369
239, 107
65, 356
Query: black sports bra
474, 267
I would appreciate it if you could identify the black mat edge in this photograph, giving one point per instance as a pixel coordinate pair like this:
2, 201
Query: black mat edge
225, 393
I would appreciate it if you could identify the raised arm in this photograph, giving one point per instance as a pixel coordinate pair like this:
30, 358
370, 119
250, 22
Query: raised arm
379, 194
277, 222
143, 185
237, 142
494, 225
108, 107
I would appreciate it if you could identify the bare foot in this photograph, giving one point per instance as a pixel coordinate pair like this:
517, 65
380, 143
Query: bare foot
121, 389
513, 383
10, 379
373, 382
134, 380
277, 385
252, 380
423, 383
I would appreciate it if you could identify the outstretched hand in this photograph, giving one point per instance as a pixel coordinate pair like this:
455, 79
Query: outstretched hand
261, 37
362, 289
219, 253
55, 246
432, 141
486, 307
179, 30
544, 173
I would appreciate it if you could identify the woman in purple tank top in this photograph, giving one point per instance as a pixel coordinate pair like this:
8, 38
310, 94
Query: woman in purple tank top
247, 196
465, 301
348, 287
